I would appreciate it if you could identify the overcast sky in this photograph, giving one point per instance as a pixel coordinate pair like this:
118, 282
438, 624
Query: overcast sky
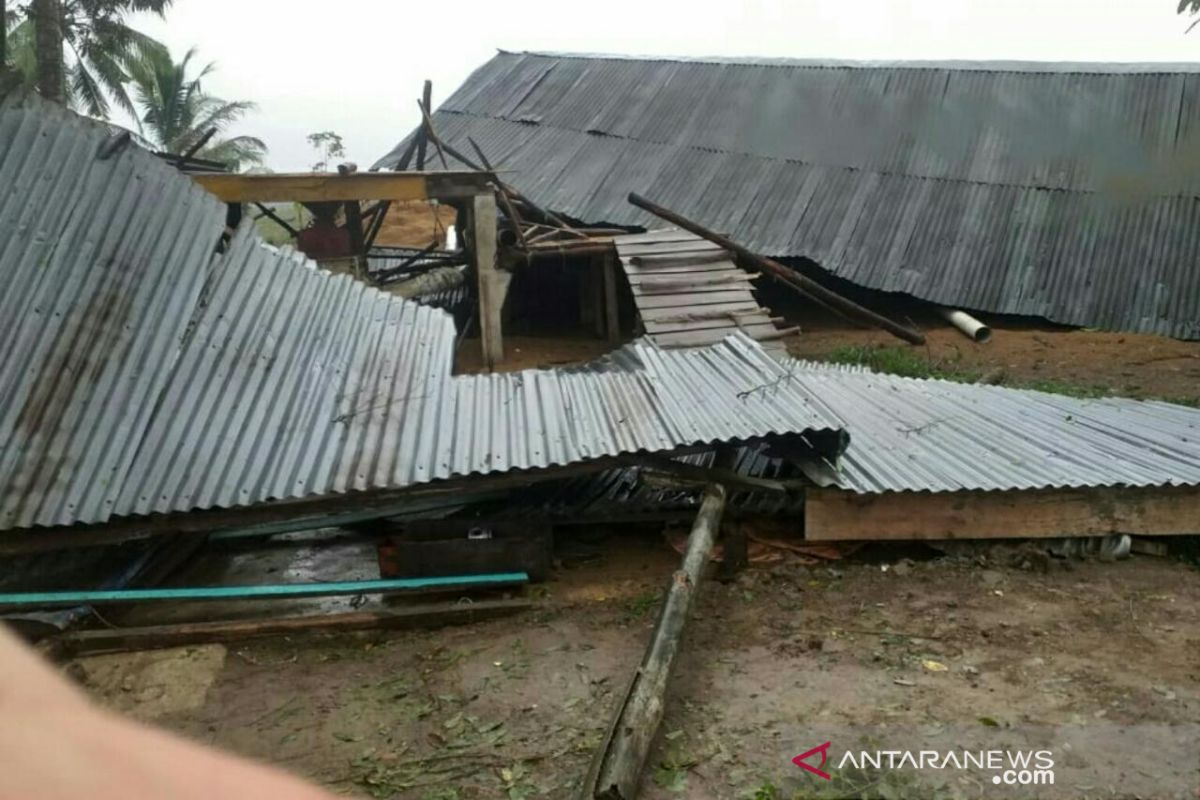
356, 66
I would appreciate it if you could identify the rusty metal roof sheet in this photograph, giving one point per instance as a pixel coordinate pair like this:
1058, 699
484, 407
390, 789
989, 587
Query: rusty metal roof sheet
151, 375
1060, 191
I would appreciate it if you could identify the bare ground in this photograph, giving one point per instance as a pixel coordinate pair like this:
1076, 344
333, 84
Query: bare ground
996, 648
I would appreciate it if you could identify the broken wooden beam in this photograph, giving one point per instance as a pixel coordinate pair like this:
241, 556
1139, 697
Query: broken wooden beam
151, 637
617, 767
789, 277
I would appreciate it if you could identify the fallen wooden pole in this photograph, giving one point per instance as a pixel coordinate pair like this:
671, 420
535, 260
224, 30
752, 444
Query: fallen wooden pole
150, 637
617, 767
791, 277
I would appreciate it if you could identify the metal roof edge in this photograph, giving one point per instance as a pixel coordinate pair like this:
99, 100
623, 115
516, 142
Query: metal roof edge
964, 65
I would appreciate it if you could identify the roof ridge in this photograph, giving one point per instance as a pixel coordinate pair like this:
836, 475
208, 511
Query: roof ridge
959, 65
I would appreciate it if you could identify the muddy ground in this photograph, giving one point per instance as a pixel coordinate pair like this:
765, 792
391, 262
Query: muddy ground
890, 648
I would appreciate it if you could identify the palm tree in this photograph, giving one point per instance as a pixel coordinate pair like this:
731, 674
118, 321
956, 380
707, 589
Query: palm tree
176, 113
78, 51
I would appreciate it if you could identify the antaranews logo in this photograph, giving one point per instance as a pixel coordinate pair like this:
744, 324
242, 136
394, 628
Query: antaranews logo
1009, 767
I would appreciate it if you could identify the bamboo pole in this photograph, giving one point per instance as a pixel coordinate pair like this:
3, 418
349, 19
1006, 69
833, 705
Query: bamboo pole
617, 766
790, 277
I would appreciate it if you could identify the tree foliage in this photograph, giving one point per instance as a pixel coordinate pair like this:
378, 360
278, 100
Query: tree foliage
176, 112
95, 47
328, 146
1191, 8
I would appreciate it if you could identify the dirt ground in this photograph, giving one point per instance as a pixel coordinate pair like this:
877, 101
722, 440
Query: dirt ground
987, 648
1027, 353
415, 223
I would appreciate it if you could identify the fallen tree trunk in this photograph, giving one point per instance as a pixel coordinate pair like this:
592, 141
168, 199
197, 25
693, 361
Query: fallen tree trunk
805, 286
617, 767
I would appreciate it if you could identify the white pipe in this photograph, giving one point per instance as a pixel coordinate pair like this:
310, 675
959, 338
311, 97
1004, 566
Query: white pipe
972, 327
451, 237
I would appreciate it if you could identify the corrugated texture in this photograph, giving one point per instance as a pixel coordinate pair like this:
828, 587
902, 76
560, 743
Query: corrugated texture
917, 435
689, 292
147, 374
103, 261
297, 383
1055, 193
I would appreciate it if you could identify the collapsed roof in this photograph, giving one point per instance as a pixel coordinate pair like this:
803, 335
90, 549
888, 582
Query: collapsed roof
1060, 191
149, 372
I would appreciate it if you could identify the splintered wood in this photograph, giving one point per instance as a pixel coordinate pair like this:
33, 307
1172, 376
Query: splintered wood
690, 293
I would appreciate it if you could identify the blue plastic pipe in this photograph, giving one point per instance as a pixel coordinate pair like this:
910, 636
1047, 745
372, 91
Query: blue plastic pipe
265, 592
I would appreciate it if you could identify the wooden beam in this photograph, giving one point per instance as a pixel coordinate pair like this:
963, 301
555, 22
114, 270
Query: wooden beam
150, 637
492, 283
612, 315
423, 137
331, 187
617, 766
837, 515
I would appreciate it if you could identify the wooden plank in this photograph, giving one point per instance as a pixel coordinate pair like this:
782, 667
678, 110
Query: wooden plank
695, 299
675, 259
701, 338
714, 266
755, 320
713, 311
243, 188
150, 637
690, 282
697, 247
836, 515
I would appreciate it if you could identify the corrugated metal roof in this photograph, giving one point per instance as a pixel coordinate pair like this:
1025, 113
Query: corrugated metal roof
1055, 193
150, 376
912, 435
103, 260
909, 434
297, 383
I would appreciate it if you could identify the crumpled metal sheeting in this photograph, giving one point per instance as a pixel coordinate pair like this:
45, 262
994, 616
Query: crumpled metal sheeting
294, 382
102, 260
297, 383
909, 434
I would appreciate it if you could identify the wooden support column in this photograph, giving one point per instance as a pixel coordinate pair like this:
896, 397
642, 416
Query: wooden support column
492, 283
612, 320
354, 226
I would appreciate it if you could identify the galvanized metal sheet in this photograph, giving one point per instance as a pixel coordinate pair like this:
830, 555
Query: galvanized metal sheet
916, 435
104, 259
1058, 193
150, 375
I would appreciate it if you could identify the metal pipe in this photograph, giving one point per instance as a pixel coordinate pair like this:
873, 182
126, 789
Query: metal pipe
971, 327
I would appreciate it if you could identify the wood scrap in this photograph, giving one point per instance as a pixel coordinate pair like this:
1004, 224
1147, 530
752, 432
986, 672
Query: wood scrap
150, 637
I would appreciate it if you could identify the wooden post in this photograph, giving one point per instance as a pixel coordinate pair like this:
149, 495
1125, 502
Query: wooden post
788, 277
423, 137
617, 767
354, 225
492, 284
612, 321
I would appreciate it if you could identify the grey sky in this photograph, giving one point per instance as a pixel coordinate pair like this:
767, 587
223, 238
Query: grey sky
356, 66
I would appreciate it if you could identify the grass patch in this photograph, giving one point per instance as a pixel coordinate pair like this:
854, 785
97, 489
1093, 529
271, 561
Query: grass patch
903, 361
908, 362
